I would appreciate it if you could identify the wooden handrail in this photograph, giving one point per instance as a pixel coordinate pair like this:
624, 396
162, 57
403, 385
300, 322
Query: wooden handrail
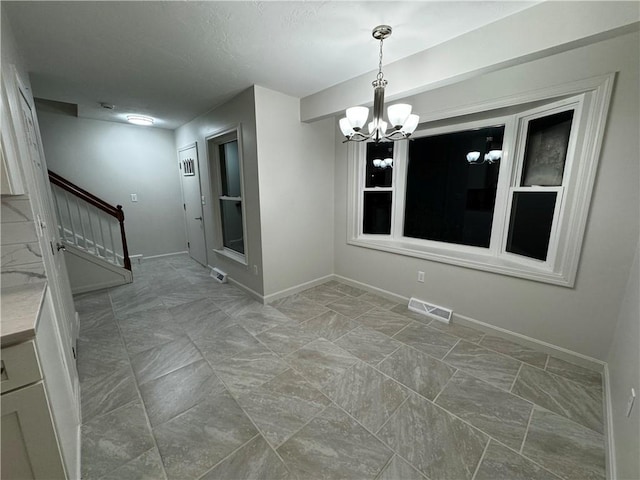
97, 202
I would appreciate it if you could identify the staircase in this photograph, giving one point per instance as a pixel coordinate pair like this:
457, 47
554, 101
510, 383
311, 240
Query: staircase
93, 234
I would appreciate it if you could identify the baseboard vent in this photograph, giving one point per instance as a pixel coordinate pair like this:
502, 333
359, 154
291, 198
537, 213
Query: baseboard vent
439, 313
219, 275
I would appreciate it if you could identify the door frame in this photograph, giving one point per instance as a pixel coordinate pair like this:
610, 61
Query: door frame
184, 210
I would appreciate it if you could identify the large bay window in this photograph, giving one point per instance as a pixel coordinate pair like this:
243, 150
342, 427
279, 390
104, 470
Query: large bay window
504, 189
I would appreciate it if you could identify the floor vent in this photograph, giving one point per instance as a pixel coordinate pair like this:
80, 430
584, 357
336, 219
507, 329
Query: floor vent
219, 275
439, 313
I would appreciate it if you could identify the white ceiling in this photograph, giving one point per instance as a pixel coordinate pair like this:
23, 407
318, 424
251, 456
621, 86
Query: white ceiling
176, 60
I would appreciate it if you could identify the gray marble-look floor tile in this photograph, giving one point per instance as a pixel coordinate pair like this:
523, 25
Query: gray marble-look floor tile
299, 307
98, 359
565, 448
399, 469
404, 311
282, 406
201, 318
163, 359
143, 298
436, 443
492, 367
182, 292
570, 399
321, 362
195, 441
249, 369
330, 325
286, 339
384, 321
574, 372
469, 334
107, 392
496, 412
378, 301
93, 319
500, 463
226, 342
427, 339
90, 302
348, 290
351, 307
239, 306
258, 322
333, 446
367, 395
106, 445
418, 371
254, 461
322, 294
178, 391
521, 352
368, 345
149, 328
147, 466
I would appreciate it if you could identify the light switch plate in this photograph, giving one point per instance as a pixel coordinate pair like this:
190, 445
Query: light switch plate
134, 197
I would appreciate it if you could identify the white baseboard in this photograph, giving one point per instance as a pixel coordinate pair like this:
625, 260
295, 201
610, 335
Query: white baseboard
172, 254
272, 297
252, 293
610, 447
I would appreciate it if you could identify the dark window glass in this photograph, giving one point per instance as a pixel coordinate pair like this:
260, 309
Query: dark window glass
530, 224
546, 149
232, 233
377, 213
230, 169
378, 172
447, 198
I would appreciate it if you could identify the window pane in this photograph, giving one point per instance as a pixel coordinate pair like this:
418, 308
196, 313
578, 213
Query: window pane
377, 213
448, 199
546, 149
230, 169
530, 225
379, 173
232, 236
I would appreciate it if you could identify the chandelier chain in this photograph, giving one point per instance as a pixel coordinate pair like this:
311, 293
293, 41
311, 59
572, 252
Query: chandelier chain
380, 75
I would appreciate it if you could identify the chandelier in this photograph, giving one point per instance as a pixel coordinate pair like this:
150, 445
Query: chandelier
403, 122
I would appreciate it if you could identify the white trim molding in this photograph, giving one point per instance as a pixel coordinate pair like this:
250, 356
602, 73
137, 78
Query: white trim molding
589, 100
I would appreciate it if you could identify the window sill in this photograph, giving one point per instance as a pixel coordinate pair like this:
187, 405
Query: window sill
477, 261
230, 254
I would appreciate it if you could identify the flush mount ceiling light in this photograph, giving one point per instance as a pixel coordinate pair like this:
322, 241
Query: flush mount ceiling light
140, 120
400, 118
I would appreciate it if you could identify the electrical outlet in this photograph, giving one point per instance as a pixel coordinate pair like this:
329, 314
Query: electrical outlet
134, 197
421, 277
255, 269
631, 401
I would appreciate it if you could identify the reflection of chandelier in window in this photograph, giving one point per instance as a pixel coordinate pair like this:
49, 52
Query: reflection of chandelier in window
387, 162
492, 156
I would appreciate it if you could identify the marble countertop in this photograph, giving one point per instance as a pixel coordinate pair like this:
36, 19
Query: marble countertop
20, 309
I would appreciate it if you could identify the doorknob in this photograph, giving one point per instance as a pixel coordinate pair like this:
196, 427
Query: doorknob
198, 218
60, 246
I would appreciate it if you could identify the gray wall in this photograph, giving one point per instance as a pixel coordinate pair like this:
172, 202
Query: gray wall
295, 162
113, 160
239, 110
624, 373
578, 318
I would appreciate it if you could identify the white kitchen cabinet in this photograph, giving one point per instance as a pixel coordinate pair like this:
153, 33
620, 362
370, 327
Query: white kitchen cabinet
40, 413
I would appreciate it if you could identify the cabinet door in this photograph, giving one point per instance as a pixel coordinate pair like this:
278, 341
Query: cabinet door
29, 445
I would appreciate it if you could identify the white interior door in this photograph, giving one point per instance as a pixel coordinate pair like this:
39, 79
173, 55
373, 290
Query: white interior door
50, 242
192, 198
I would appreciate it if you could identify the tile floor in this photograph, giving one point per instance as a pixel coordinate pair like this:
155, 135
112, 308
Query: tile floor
184, 378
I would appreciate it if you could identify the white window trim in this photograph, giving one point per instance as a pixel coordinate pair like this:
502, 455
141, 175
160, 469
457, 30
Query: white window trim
216, 139
570, 218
